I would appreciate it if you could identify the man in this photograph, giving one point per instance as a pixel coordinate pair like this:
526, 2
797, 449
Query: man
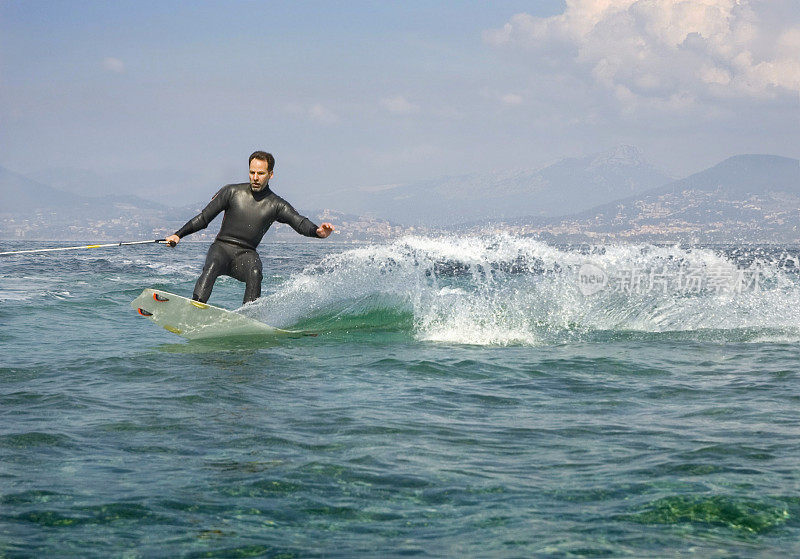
249, 209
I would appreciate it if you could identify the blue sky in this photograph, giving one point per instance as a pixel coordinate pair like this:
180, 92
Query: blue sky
169, 98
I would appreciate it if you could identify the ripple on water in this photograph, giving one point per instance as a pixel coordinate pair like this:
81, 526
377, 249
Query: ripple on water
32, 497
107, 513
741, 515
32, 439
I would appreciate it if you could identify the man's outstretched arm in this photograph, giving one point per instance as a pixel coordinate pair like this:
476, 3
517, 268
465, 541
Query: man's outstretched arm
301, 224
218, 203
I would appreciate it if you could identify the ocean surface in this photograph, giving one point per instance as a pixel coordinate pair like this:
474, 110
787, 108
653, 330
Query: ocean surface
462, 397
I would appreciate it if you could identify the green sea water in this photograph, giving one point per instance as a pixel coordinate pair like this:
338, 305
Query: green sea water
469, 397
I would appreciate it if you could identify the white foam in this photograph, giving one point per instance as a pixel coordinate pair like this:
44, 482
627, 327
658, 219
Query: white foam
27, 288
501, 289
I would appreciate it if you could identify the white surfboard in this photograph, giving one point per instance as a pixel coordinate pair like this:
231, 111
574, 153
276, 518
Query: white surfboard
194, 320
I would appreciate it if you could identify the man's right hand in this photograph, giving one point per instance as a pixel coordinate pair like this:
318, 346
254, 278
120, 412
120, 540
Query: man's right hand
173, 240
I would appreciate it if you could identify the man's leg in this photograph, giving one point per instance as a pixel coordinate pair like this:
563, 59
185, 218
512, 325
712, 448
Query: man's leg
247, 267
217, 263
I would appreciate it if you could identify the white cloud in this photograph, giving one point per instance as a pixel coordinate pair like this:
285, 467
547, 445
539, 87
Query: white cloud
666, 53
322, 114
399, 105
316, 112
511, 99
114, 65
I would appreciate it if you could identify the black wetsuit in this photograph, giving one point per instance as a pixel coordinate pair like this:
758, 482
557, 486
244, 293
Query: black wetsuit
248, 215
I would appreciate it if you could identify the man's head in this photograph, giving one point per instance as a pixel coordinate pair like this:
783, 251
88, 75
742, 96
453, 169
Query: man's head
261, 165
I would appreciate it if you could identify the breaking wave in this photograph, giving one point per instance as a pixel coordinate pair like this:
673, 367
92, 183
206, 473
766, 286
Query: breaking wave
506, 290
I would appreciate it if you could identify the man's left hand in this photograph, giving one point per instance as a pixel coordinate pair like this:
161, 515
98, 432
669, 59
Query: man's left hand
324, 230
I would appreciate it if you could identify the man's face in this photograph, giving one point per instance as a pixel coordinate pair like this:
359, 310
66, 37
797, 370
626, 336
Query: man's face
259, 176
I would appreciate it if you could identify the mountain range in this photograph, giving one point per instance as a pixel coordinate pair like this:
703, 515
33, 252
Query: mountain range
570, 185
21, 195
745, 197
616, 195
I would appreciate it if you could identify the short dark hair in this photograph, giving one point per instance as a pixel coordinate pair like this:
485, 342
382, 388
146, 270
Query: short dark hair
263, 156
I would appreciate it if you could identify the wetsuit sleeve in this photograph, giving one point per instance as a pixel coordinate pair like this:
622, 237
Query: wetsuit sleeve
218, 203
287, 214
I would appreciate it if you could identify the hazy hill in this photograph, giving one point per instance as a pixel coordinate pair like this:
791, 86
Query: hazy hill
744, 197
32, 210
562, 188
743, 186
20, 195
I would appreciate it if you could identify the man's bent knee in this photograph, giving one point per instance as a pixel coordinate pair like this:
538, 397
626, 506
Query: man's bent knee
255, 274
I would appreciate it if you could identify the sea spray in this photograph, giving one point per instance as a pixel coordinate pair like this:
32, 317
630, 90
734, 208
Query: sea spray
502, 290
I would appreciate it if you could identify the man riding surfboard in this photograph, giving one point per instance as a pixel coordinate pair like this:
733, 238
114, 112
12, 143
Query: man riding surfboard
250, 209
